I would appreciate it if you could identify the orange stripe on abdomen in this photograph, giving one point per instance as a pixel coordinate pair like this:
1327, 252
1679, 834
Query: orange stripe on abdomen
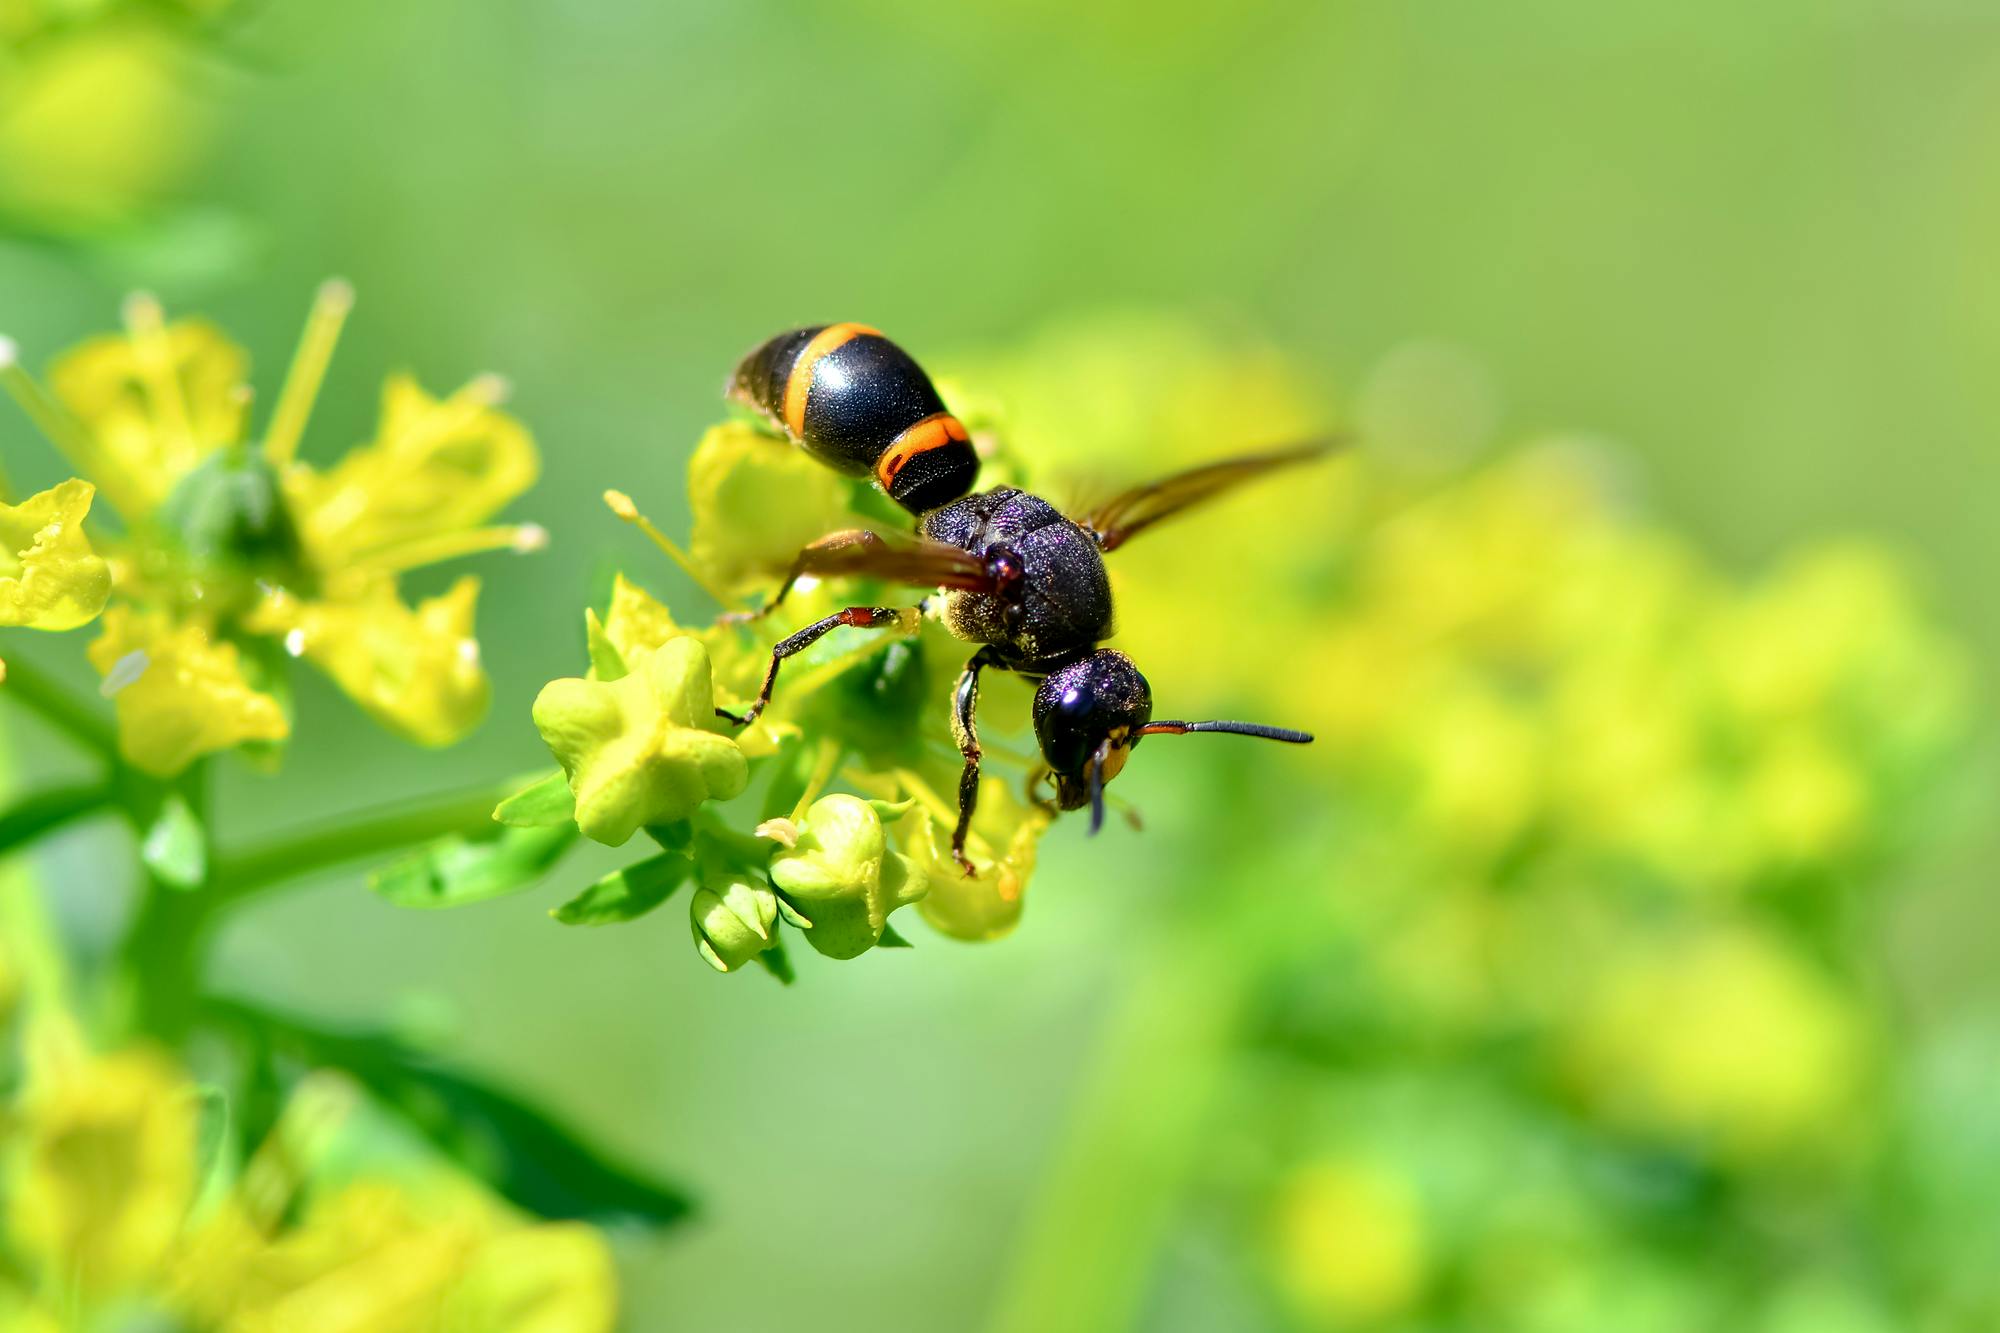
934, 431
799, 383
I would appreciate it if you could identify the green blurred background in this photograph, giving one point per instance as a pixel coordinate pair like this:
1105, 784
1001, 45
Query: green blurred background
1751, 245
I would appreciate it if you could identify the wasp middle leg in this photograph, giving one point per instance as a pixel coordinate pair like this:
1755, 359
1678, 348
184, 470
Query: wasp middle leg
965, 730
861, 617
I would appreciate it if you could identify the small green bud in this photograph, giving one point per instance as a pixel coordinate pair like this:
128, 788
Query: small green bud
733, 915
838, 882
643, 749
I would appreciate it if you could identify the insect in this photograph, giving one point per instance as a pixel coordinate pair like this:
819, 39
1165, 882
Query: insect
1016, 576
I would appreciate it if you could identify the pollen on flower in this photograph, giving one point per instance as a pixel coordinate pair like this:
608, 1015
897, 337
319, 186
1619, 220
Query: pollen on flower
621, 504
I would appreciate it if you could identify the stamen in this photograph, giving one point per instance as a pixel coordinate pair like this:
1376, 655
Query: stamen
824, 763
308, 370
520, 538
64, 431
146, 325
621, 505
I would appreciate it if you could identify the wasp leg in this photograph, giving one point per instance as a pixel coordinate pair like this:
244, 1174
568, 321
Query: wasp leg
845, 539
965, 730
862, 617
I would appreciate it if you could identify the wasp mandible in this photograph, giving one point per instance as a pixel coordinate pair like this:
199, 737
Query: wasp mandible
1016, 575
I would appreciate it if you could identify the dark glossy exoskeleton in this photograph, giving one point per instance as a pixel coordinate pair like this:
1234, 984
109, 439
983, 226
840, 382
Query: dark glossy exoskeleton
1015, 574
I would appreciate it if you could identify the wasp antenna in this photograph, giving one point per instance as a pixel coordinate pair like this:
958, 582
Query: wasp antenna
1284, 734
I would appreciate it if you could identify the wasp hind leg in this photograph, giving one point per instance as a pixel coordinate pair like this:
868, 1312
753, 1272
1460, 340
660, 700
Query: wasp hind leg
861, 617
965, 730
847, 539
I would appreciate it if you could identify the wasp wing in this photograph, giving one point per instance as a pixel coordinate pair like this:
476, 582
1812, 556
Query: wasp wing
901, 558
1123, 517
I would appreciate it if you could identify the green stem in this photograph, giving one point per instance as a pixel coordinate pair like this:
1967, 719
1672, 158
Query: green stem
1085, 1256
245, 873
60, 709
44, 811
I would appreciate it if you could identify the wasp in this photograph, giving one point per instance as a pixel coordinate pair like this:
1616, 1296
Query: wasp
1015, 575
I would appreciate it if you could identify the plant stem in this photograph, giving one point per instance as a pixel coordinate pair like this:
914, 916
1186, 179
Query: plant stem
242, 874
1134, 1137
43, 811
60, 709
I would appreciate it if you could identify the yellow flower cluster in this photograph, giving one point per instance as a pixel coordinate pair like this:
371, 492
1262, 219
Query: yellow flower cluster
111, 1207
236, 556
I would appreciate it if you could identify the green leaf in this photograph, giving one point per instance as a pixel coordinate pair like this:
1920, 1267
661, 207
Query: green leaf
891, 940
540, 805
460, 869
624, 895
525, 1153
175, 846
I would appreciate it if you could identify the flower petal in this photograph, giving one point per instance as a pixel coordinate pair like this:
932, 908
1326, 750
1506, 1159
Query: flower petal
415, 670
190, 697
435, 465
642, 749
146, 446
49, 576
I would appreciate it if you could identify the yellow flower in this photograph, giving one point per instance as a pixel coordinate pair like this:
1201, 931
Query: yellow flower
180, 693
230, 541
416, 670
756, 500
50, 578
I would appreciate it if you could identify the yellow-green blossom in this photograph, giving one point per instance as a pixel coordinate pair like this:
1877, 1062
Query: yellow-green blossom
838, 881
734, 917
50, 578
756, 500
645, 748
231, 541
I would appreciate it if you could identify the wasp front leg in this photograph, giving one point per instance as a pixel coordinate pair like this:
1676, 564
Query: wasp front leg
861, 617
965, 730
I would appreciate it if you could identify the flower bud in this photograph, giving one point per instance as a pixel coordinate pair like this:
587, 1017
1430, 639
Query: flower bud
642, 749
839, 881
732, 915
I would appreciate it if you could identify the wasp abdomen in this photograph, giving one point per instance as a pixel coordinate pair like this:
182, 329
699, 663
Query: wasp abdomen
860, 404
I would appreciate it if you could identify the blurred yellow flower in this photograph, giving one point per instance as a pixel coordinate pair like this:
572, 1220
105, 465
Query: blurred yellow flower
1347, 1239
104, 1214
102, 1167
97, 121
180, 693
1721, 1039
234, 547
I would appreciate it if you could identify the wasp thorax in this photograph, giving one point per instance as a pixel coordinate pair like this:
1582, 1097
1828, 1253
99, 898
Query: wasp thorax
1090, 712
